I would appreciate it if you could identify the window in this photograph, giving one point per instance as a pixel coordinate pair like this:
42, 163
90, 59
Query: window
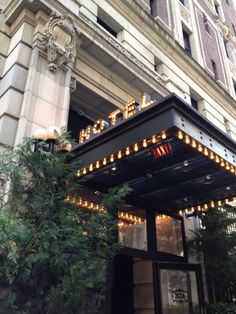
206, 24
187, 45
132, 231
169, 235
179, 291
152, 8
214, 69
217, 9
226, 49
234, 83
108, 28
234, 29
182, 1
109, 23
194, 103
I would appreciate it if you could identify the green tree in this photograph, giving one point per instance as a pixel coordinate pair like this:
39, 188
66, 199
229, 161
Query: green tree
218, 243
53, 255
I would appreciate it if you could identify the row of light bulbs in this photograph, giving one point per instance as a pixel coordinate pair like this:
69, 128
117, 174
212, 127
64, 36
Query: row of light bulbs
205, 151
129, 150
137, 220
206, 206
100, 208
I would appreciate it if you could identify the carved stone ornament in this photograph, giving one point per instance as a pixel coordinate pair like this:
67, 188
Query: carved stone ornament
59, 41
225, 30
73, 84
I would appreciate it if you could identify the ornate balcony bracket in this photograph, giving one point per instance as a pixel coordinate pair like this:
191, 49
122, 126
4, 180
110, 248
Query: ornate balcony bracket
59, 41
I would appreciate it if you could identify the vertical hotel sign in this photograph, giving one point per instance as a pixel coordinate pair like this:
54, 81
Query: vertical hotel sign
115, 117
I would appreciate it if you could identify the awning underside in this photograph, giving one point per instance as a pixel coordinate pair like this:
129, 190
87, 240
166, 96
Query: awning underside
184, 179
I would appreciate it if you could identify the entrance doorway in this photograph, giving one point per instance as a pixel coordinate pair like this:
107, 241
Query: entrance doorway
150, 287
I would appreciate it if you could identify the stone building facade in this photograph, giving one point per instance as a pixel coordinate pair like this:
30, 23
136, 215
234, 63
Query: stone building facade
69, 63
119, 49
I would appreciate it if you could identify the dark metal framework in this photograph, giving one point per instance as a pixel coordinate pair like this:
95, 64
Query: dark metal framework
185, 179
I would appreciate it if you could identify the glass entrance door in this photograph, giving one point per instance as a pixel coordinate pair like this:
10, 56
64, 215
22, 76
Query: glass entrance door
179, 291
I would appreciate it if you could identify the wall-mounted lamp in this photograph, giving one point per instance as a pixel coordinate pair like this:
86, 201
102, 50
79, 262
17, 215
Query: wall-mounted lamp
49, 137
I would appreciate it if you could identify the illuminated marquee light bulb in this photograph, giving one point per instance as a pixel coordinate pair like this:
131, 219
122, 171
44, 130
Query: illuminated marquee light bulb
112, 158
84, 171
180, 135
187, 139
97, 165
194, 144
200, 149
205, 151
163, 136
227, 166
226, 200
219, 203
154, 139
91, 167
119, 154
217, 159
145, 143
127, 151
212, 156
212, 204
222, 163
181, 212
232, 169
104, 161
205, 206
199, 208
78, 173
136, 147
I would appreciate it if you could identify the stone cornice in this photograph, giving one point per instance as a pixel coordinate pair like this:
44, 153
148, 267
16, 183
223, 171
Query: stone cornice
136, 16
141, 20
113, 45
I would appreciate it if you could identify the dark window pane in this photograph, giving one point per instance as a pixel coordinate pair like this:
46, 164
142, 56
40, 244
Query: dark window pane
153, 10
226, 49
234, 29
194, 103
217, 9
214, 69
107, 27
187, 45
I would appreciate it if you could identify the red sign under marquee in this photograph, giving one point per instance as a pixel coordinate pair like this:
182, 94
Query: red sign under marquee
161, 150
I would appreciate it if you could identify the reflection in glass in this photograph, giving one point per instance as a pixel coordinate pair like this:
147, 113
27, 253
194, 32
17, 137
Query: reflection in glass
132, 229
179, 292
169, 235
